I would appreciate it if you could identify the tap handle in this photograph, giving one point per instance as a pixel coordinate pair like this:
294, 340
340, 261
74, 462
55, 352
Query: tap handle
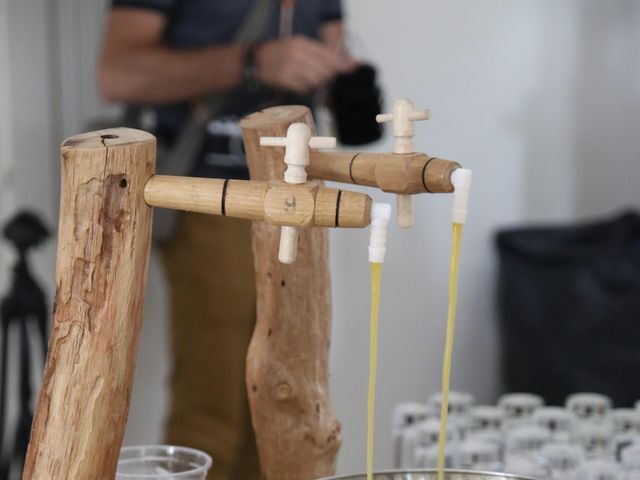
297, 144
403, 115
288, 250
322, 142
273, 141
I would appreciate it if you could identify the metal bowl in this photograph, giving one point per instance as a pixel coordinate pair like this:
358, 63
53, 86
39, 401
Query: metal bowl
431, 475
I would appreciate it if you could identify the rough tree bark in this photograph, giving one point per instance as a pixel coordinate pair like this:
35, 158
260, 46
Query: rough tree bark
297, 432
103, 250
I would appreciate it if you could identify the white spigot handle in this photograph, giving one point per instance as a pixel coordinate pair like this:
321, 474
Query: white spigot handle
288, 245
461, 181
384, 117
314, 142
322, 142
380, 216
297, 144
273, 141
403, 116
404, 210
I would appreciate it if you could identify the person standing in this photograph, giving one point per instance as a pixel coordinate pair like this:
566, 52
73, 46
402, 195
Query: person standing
236, 56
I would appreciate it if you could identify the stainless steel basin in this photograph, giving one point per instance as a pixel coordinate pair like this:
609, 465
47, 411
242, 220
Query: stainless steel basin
431, 475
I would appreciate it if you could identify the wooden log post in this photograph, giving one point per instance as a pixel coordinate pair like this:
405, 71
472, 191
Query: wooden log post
103, 250
296, 429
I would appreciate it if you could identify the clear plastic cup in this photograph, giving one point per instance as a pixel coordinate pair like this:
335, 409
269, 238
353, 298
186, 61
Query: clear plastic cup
525, 466
631, 457
556, 420
405, 416
429, 432
526, 441
423, 436
487, 418
478, 455
625, 420
162, 462
488, 437
596, 438
460, 404
593, 407
562, 459
427, 457
599, 470
622, 441
518, 408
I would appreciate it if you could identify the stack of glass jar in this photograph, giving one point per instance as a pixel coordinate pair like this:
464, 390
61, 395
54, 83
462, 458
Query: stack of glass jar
585, 440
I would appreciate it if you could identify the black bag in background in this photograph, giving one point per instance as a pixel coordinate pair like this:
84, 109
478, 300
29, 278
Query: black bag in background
569, 309
355, 100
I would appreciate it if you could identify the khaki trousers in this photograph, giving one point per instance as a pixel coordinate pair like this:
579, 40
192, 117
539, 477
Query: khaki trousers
209, 264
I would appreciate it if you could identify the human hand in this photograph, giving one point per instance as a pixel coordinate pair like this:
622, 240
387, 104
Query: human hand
299, 63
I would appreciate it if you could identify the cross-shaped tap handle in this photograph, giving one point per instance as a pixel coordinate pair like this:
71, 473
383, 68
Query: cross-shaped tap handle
296, 155
297, 144
403, 116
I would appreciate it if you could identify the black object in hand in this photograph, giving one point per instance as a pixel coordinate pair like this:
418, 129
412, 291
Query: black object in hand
356, 100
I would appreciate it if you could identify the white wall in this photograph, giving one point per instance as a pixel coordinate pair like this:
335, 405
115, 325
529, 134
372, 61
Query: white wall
32, 152
27, 141
540, 98
7, 194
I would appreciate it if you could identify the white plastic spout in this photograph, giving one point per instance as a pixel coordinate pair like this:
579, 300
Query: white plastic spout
461, 181
380, 216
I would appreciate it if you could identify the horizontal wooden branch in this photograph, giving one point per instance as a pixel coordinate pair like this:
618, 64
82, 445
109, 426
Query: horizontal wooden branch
407, 173
273, 202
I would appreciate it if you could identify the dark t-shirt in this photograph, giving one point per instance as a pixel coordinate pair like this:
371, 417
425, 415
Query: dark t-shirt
200, 23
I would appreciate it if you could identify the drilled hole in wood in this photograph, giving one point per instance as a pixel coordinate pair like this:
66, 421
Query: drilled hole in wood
109, 136
123, 183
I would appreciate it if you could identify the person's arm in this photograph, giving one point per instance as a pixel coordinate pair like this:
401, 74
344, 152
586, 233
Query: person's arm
137, 68
332, 34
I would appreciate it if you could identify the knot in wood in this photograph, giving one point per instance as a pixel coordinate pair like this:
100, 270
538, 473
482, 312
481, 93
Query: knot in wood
283, 391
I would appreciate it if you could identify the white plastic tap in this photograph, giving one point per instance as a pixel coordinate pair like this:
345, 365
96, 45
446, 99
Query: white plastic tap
380, 216
296, 155
461, 181
403, 115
